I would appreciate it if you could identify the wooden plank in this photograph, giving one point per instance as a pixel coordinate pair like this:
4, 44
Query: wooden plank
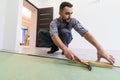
97, 64
94, 63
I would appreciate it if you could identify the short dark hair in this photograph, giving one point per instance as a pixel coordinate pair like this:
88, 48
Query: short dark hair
64, 4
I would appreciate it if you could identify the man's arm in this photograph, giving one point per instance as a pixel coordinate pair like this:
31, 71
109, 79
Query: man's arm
100, 52
67, 52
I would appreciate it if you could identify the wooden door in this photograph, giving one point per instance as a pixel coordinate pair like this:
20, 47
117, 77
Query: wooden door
45, 16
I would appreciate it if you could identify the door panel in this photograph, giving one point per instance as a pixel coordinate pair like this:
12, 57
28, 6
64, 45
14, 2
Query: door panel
45, 16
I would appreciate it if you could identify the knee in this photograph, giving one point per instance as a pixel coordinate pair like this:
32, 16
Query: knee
40, 32
43, 32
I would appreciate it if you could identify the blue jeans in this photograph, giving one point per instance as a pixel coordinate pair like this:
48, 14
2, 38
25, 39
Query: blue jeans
64, 34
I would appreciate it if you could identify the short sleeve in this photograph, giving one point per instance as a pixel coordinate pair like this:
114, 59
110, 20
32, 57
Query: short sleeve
53, 27
79, 28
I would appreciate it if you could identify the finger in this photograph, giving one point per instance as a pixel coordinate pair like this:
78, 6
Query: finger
112, 58
109, 60
68, 56
72, 57
98, 58
76, 58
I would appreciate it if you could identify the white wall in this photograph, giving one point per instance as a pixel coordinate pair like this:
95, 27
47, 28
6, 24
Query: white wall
2, 21
11, 18
11, 23
100, 17
102, 20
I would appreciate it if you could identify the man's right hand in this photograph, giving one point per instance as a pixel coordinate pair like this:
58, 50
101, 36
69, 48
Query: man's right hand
70, 55
67, 52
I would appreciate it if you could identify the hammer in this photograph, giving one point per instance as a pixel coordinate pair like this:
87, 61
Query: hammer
88, 64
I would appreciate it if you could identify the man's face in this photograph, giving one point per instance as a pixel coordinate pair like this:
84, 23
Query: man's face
66, 13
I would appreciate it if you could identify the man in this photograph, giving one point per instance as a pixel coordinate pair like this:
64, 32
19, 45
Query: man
60, 34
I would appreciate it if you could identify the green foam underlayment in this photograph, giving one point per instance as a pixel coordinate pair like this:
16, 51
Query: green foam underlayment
23, 67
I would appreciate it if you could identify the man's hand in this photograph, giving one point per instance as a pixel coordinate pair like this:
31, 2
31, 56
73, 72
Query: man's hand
67, 52
102, 54
70, 55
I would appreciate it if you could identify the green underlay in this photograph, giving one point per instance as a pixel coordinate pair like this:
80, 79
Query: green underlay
23, 67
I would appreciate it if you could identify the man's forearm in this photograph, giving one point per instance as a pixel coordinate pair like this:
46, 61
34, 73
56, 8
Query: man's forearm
92, 40
58, 42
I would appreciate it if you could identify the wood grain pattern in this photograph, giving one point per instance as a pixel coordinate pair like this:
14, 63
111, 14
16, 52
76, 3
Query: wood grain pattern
99, 64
